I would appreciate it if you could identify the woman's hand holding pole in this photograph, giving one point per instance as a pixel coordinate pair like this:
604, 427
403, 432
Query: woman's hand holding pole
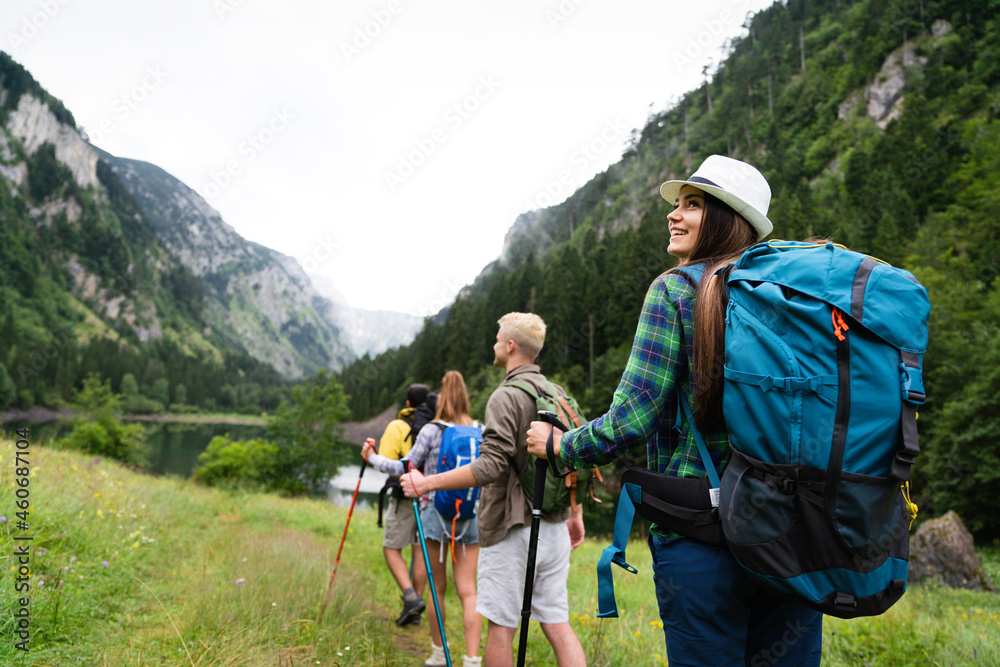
538, 435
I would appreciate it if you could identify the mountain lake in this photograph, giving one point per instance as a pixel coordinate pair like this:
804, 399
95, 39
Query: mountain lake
175, 447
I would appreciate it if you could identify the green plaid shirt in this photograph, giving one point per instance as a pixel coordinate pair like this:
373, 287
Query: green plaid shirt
644, 409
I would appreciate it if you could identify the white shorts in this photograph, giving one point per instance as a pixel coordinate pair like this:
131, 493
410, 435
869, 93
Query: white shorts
500, 576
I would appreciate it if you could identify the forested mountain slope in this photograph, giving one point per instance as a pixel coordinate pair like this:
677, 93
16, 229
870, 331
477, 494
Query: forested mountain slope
877, 124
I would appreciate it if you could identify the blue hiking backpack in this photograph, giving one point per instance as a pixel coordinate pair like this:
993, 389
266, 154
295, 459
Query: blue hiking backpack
822, 383
459, 446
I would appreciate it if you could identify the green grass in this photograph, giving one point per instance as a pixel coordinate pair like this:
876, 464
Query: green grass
175, 552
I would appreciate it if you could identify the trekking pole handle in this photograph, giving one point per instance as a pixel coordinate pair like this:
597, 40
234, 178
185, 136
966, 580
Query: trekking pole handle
553, 419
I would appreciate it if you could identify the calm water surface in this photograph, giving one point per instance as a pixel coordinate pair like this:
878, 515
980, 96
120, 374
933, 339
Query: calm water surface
175, 448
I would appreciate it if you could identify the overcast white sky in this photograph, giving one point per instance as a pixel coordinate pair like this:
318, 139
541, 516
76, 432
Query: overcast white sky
385, 144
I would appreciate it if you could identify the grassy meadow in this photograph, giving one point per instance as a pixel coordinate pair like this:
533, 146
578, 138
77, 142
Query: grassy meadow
128, 569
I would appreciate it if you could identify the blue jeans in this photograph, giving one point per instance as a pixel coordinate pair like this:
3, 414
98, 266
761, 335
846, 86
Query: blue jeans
714, 614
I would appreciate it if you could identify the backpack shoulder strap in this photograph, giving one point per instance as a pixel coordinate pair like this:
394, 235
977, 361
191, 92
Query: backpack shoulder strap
410, 421
706, 458
691, 273
523, 386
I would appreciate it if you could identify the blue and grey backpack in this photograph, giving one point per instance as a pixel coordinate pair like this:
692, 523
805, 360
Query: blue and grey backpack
459, 447
823, 381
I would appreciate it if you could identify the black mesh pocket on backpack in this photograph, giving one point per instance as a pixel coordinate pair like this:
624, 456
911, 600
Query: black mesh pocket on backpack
754, 509
869, 514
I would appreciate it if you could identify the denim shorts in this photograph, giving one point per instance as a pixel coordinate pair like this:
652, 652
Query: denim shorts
439, 529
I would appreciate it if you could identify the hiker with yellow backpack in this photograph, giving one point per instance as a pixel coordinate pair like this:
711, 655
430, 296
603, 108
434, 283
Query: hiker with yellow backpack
449, 533
400, 524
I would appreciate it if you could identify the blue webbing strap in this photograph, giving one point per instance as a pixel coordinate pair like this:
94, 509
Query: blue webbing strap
706, 458
631, 495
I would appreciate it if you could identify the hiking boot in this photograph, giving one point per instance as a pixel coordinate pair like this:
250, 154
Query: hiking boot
413, 620
411, 610
437, 658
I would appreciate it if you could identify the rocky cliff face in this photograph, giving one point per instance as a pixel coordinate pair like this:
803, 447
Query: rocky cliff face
882, 99
258, 298
261, 299
33, 124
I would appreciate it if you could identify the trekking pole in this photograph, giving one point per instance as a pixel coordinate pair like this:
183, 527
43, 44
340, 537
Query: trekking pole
537, 497
336, 563
430, 575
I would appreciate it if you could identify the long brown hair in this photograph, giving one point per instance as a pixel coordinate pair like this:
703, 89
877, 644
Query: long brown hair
722, 237
453, 399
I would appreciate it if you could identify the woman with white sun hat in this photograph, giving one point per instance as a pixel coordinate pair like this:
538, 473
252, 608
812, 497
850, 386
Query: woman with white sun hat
712, 613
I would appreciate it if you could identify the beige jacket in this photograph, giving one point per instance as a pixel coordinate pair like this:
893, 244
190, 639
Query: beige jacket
509, 413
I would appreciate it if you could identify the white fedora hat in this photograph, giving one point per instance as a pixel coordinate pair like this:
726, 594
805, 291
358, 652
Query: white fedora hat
736, 183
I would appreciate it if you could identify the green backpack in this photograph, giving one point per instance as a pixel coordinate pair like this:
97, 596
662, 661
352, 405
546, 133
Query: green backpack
560, 493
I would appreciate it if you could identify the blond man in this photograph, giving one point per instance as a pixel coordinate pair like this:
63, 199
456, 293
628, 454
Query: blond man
505, 508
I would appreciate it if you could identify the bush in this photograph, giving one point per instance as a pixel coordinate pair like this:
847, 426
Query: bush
124, 442
306, 448
237, 463
307, 431
140, 405
98, 431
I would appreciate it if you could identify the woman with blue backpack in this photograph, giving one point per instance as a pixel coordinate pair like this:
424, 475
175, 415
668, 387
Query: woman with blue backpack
449, 532
713, 613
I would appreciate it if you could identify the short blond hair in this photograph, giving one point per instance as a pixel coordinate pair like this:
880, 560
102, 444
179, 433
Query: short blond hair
525, 329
